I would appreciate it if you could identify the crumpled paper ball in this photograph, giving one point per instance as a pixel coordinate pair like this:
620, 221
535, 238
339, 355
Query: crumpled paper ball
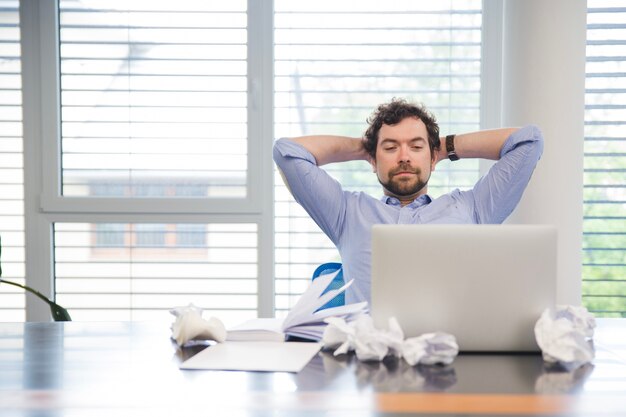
372, 344
360, 335
582, 320
430, 349
564, 336
337, 335
189, 325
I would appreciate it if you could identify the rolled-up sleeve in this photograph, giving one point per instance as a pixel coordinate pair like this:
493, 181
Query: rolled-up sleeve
496, 195
317, 192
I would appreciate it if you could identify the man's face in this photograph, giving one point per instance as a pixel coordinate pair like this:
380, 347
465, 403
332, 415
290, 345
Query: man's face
403, 159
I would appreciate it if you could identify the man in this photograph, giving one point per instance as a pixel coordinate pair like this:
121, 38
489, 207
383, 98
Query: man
403, 146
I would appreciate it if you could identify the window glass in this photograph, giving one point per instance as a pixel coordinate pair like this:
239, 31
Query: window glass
139, 271
154, 98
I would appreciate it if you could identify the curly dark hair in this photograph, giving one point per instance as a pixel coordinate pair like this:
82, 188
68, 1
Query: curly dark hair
393, 113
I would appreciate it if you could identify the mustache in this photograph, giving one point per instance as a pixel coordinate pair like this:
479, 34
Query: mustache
404, 167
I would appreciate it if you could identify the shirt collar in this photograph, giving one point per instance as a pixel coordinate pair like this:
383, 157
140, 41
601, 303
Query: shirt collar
418, 202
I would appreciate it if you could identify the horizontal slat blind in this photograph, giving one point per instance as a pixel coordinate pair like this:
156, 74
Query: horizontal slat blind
113, 271
11, 164
604, 225
335, 61
154, 98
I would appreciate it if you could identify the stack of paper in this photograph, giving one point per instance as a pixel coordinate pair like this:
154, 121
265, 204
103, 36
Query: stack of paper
257, 330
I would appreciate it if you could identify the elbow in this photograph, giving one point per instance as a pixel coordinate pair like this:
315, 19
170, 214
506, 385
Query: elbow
528, 139
532, 137
277, 150
538, 140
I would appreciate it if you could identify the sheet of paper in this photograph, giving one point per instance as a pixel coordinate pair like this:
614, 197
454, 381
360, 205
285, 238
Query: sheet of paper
254, 356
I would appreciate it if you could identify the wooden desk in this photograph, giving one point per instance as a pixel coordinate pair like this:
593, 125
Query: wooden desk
131, 369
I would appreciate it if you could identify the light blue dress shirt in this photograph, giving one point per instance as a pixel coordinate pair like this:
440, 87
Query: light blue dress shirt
347, 217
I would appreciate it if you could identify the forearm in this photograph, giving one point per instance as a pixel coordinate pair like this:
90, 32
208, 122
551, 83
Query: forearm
486, 144
328, 149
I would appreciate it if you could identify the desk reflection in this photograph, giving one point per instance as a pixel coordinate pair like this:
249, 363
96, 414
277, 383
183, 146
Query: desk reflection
559, 381
396, 375
43, 357
470, 373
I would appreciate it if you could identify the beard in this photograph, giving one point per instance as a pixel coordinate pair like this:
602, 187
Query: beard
404, 186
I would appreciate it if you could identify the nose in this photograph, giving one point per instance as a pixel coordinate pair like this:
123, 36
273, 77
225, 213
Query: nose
403, 155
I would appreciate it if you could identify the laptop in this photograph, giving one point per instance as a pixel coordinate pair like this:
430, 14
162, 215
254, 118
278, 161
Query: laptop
485, 284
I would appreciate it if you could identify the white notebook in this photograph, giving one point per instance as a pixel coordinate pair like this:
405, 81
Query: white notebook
254, 356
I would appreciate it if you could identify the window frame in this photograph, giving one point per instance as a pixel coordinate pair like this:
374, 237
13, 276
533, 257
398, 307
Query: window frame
51, 198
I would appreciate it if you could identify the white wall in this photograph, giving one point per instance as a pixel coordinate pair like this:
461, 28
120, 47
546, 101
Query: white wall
544, 83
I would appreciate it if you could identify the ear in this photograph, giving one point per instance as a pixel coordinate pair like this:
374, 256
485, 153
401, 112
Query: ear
433, 162
372, 162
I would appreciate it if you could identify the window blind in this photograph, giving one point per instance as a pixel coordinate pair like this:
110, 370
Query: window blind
604, 223
154, 98
138, 271
11, 164
335, 61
